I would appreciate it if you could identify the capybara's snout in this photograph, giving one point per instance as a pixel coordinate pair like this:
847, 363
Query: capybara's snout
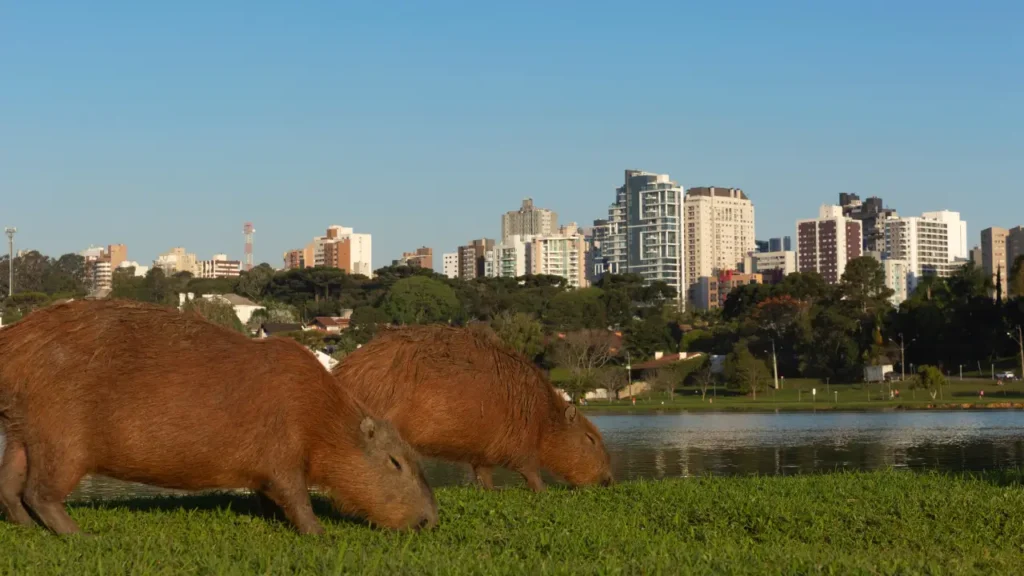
608, 479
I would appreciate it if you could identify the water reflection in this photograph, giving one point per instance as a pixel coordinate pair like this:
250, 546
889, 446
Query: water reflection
683, 445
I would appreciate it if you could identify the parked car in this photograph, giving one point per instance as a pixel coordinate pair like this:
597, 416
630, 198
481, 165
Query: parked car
1006, 376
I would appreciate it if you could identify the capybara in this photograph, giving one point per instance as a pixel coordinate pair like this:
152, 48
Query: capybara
148, 394
460, 395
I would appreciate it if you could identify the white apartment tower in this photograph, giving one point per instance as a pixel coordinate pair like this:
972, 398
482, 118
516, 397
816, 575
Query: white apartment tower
644, 234
528, 221
719, 231
450, 263
933, 244
562, 254
509, 258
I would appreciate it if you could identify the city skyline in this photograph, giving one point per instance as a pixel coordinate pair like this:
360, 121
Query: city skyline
160, 126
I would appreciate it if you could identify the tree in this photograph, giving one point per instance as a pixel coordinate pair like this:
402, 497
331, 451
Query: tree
576, 310
743, 371
704, 377
254, 283
216, 311
613, 379
863, 283
1015, 282
519, 331
421, 300
931, 379
583, 353
645, 337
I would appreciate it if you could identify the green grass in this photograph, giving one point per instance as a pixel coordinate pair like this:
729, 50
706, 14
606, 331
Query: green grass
851, 523
797, 396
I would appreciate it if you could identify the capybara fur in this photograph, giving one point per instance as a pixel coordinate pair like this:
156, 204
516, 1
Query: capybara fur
148, 394
459, 394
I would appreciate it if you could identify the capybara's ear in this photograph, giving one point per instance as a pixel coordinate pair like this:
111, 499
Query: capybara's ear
570, 412
368, 427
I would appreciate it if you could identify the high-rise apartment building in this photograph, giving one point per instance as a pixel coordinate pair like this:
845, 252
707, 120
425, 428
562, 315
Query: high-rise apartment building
719, 231
1014, 247
175, 261
528, 221
100, 264
422, 258
509, 258
933, 244
562, 254
450, 264
783, 261
219, 267
643, 233
872, 214
339, 247
826, 243
994, 258
472, 258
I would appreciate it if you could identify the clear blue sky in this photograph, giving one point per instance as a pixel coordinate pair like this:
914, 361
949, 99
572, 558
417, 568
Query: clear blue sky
171, 124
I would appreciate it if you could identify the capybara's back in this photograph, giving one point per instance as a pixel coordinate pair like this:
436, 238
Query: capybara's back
148, 394
460, 395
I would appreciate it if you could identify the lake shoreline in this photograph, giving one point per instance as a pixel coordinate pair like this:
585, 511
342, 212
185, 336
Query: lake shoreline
596, 409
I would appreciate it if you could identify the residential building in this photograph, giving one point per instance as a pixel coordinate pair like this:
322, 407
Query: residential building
595, 261
643, 233
994, 258
333, 324
1014, 245
243, 307
872, 214
562, 254
897, 276
176, 260
422, 258
783, 261
977, 258
339, 247
450, 264
711, 291
719, 231
100, 264
472, 257
780, 244
218, 267
509, 258
826, 243
294, 259
933, 244
137, 269
528, 221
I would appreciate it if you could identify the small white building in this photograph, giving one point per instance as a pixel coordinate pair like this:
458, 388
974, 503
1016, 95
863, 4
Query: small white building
243, 307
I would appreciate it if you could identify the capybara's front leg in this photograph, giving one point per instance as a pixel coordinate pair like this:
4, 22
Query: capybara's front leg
13, 472
293, 498
533, 480
485, 476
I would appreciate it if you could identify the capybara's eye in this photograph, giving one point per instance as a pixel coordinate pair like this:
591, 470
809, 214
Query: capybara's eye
395, 463
591, 438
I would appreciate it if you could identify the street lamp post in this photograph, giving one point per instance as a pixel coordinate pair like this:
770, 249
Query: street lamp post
10, 230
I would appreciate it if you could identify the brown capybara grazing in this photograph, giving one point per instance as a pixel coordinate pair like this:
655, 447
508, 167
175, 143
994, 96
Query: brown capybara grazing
142, 393
460, 395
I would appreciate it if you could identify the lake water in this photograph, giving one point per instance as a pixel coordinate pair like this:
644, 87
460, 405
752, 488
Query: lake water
683, 445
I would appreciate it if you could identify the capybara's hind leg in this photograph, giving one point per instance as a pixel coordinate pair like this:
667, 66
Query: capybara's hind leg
13, 472
48, 484
265, 507
292, 496
485, 476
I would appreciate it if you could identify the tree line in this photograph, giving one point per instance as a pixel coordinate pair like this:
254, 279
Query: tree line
801, 326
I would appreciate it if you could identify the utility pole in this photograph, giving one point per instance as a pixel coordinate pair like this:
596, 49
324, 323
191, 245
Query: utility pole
10, 230
1020, 342
903, 361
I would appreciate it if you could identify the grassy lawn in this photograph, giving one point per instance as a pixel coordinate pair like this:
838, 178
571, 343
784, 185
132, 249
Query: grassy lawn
797, 395
858, 523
